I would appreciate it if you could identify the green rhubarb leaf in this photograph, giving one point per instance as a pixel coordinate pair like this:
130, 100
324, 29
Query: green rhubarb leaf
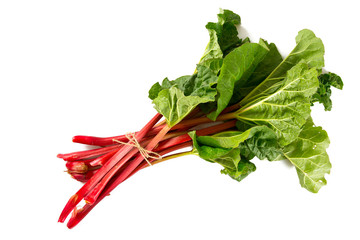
309, 49
226, 31
212, 57
228, 139
211, 154
223, 38
323, 94
308, 154
234, 149
281, 101
282, 104
263, 144
175, 99
236, 69
244, 168
235, 165
214, 64
154, 90
261, 141
264, 68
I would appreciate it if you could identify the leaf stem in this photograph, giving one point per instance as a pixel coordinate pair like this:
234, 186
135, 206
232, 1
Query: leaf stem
172, 156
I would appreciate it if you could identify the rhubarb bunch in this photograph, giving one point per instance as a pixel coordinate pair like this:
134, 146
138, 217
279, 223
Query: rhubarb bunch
243, 101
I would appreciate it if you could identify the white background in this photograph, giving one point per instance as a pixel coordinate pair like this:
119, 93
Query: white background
84, 67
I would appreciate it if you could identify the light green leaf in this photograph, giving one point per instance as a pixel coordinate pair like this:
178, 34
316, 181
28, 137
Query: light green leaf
210, 153
175, 99
228, 139
214, 64
282, 104
308, 154
212, 51
236, 69
260, 140
309, 49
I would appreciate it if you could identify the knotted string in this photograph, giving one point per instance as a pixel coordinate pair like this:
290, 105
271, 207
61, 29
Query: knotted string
146, 154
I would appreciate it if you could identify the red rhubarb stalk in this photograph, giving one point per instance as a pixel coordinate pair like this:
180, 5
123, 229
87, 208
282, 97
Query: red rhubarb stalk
87, 153
195, 115
76, 198
202, 132
100, 161
94, 194
202, 120
106, 141
79, 214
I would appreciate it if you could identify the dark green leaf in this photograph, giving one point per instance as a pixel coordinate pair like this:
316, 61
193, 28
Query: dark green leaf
263, 69
234, 149
226, 30
223, 38
323, 94
244, 168
154, 90
236, 69
263, 143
